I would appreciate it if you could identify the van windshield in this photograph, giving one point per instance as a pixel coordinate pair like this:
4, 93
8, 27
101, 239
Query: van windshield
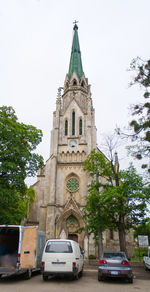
58, 247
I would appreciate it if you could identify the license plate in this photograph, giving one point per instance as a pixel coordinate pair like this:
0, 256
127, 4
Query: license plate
114, 273
58, 263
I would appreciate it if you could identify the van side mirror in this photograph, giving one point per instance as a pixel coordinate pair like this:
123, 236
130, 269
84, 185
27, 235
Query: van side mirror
82, 251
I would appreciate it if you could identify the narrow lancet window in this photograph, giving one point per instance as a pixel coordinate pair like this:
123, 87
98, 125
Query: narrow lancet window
74, 82
73, 123
80, 127
82, 83
66, 127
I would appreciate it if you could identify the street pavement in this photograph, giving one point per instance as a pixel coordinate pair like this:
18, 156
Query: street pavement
87, 283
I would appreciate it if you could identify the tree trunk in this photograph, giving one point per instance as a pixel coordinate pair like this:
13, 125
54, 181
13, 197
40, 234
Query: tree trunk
100, 243
122, 239
100, 240
121, 231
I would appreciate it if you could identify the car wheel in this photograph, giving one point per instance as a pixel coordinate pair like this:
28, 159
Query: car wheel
81, 273
76, 277
130, 280
45, 278
100, 278
28, 274
146, 269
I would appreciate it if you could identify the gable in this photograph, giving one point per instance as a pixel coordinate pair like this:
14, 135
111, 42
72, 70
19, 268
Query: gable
73, 106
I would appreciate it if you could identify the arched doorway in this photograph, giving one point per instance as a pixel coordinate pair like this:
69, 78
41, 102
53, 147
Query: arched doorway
70, 223
73, 236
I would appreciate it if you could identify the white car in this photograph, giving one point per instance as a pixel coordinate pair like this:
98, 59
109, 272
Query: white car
146, 260
62, 257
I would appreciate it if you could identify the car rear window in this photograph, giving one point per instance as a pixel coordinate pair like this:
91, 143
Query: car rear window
58, 247
113, 255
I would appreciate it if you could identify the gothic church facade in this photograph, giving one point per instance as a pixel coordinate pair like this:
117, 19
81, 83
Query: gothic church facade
62, 184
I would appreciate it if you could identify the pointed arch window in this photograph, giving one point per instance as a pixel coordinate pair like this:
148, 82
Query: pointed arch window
74, 82
66, 127
73, 123
80, 127
82, 83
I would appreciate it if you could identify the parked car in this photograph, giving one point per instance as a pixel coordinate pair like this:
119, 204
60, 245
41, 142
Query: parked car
62, 257
114, 265
146, 259
21, 249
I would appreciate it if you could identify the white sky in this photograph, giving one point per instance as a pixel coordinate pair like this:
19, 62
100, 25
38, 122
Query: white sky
35, 46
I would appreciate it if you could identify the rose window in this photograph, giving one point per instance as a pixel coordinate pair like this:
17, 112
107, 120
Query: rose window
72, 184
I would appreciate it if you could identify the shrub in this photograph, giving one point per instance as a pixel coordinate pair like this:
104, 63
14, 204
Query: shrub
92, 257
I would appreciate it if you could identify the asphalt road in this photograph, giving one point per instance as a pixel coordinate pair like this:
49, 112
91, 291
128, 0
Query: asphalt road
88, 283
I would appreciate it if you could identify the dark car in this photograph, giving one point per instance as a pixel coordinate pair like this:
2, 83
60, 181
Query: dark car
114, 265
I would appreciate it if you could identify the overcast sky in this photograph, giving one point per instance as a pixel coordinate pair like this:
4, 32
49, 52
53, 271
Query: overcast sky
35, 46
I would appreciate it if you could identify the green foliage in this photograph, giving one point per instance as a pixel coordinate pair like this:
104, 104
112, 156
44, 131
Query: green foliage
143, 229
16, 206
139, 253
136, 196
97, 164
92, 257
94, 212
116, 200
141, 112
29, 197
17, 161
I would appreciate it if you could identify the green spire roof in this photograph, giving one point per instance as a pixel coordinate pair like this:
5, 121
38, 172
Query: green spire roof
75, 59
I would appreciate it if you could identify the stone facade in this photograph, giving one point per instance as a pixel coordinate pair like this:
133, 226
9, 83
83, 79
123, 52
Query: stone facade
61, 184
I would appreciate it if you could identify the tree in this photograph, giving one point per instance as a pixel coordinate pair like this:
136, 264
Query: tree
94, 214
140, 124
118, 198
16, 207
17, 159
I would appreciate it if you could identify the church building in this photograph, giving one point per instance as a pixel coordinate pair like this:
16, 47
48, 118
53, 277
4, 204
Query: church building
62, 184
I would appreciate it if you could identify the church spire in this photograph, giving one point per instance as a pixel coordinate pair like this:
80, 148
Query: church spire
75, 59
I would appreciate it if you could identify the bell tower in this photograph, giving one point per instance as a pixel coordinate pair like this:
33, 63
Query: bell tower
62, 184
72, 138
74, 119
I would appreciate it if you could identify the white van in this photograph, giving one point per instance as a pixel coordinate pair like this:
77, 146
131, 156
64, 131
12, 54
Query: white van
62, 257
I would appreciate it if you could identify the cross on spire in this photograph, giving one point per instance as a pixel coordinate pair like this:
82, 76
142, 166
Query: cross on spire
75, 24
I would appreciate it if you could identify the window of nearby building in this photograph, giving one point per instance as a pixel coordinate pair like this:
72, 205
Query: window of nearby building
80, 127
73, 123
66, 127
